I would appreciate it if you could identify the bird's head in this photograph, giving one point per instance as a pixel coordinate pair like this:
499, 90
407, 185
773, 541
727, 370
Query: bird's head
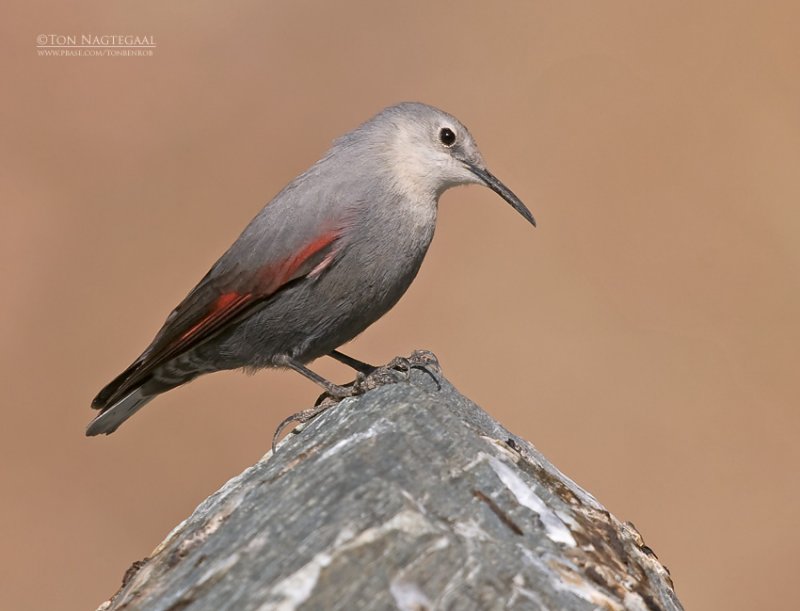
426, 151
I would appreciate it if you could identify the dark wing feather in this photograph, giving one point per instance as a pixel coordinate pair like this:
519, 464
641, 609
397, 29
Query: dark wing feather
213, 305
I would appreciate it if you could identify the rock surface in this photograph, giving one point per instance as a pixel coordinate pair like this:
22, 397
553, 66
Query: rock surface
407, 497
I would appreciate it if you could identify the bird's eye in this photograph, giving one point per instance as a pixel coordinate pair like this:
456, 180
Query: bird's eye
447, 136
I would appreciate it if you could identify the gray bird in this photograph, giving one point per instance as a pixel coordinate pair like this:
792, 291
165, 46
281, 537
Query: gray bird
327, 257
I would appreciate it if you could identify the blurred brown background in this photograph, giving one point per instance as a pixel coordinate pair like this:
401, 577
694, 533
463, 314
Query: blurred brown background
644, 337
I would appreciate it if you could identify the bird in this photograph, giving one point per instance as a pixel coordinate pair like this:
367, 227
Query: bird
328, 256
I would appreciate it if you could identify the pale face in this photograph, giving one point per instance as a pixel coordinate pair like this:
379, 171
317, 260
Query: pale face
430, 151
428, 155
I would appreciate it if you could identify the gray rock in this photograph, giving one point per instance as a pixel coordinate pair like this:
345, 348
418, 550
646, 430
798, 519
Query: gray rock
407, 497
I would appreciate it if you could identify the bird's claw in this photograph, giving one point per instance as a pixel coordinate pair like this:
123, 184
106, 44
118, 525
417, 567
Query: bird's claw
423, 360
300, 417
402, 365
397, 370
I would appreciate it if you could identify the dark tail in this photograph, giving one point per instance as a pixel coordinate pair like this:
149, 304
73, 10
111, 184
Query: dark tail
118, 403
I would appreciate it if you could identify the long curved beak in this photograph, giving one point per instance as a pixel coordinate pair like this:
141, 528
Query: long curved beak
491, 181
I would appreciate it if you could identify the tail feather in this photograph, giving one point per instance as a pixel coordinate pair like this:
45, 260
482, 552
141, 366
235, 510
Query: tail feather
117, 413
111, 391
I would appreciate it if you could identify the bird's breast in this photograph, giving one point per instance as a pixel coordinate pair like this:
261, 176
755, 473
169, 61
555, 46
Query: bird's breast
397, 235
381, 254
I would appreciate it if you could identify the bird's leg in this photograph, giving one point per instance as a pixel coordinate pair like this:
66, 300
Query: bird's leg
378, 376
366, 373
334, 390
359, 366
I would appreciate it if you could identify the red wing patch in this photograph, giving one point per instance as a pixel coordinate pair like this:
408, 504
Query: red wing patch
298, 265
223, 307
191, 323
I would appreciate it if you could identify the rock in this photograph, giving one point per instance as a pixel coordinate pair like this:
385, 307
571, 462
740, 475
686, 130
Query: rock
407, 497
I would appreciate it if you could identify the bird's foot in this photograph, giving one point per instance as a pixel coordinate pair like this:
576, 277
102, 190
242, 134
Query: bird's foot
301, 417
397, 370
332, 395
424, 359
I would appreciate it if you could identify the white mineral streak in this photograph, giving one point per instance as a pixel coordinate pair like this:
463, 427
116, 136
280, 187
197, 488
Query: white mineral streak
295, 589
373, 431
556, 529
408, 597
